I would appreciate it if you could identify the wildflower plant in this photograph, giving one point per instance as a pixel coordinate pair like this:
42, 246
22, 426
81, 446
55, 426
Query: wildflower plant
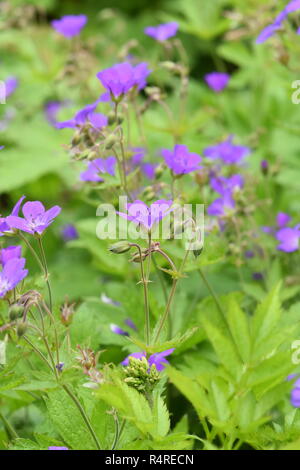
149, 280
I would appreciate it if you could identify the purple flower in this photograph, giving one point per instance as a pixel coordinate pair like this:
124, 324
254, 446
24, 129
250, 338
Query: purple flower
11, 84
264, 166
257, 276
9, 253
120, 78
147, 168
1, 147
228, 152
221, 185
57, 448
158, 359
99, 165
69, 233
69, 25
217, 81
12, 273
221, 206
86, 114
295, 393
289, 239
51, 109
267, 32
141, 214
118, 330
162, 32
282, 220
36, 219
180, 160
4, 227
130, 323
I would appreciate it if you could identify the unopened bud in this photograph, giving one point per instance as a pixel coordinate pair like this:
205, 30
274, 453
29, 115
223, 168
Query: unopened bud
92, 155
15, 311
120, 247
159, 171
21, 329
110, 141
76, 139
264, 165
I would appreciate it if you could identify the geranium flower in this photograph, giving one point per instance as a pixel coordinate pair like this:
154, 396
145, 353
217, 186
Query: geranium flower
158, 359
180, 160
227, 152
217, 81
69, 25
4, 227
282, 219
221, 185
289, 239
141, 214
51, 109
9, 253
11, 84
12, 273
222, 205
69, 233
162, 32
97, 166
120, 78
272, 28
84, 115
35, 220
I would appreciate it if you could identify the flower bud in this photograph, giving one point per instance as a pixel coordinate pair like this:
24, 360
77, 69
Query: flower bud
159, 171
110, 141
21, 329
264, 166
15, 311
120, 247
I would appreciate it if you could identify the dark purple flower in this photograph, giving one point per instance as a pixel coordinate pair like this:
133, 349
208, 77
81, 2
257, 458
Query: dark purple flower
264, 165
69, 233
57, 448
9, 253
162, 32
130, 323
120, 78
12, 273
86, 114
141, 214
289, 239
69, 25
11, 84
60, 366
228, 152
257, 276
221, 185
217, 81
99, 166
118, 330
158, 359
249, 254
180, 160
221, 206
4, 227
35, 220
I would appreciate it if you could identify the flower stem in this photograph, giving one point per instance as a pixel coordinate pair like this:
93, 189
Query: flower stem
212, 292
44, 261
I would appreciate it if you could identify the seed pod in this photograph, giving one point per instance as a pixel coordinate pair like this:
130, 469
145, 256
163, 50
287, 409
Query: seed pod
120, 247
21, 329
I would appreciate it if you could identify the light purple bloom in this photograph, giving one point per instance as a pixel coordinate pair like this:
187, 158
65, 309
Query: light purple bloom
69, 233
217, 81
180, 160
12, 273
267, 32
295, 393
289, 239
97, 166
84, 115
11, 84
118, 330
147, 168
272, 28
120, 78
141, 214
221, 206
9, 253
57, 448
4, 227
69, 25
35, 220
158, 359
162, 32
282, 220
1, 147
130, 323
230, 153
221, 185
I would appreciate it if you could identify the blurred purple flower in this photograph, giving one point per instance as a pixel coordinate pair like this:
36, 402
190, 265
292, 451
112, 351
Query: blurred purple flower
69, 232
35, 220
221, 206
69, 25
99, 165
272, 28
141, 214
4, 227
257, 276
130, 323
120, 78
12, 273
11, 84
180, 160
2, 147
295, 393
118, 330
84, 115
109, 301
158, 359
282, 220
221, 185
217, 81
228, 152
289, 239
51, 109
9, 253
267, 32
163, 31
